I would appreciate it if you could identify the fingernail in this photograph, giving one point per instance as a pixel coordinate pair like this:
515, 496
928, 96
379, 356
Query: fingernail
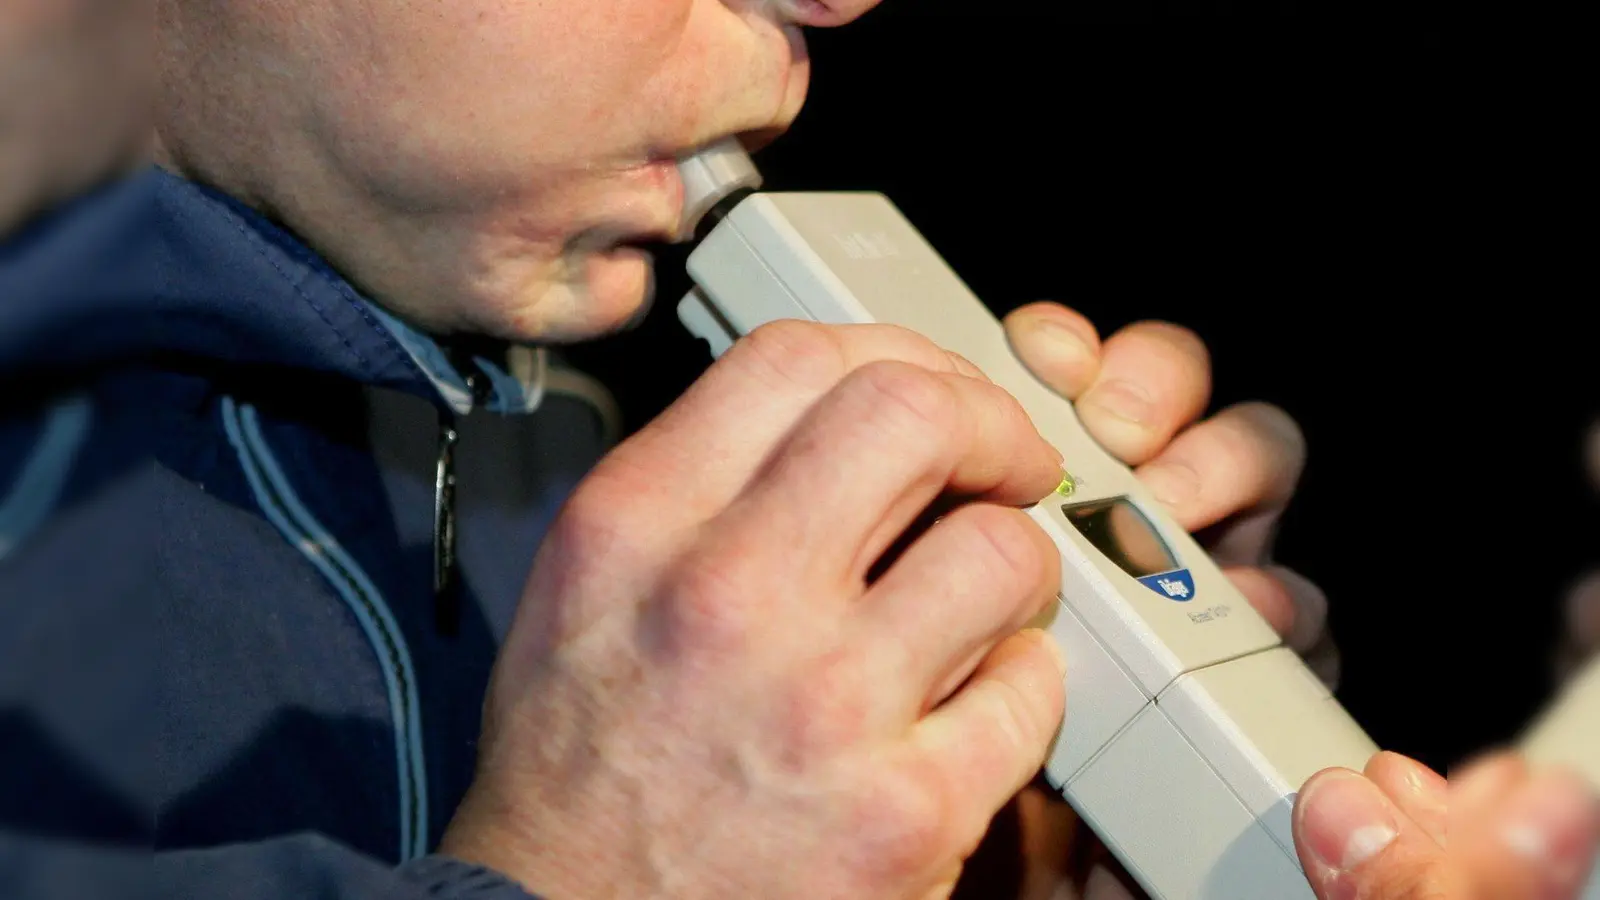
1064, 339
1551, 824
1427, 788
1171, 482
1346, 821
1043, 336
1056, 653
1122, 399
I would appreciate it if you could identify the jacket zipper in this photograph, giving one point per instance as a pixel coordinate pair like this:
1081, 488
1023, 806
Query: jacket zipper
446, 568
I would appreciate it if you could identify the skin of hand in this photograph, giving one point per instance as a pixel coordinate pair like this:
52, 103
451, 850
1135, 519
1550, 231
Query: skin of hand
1168, 372
717, 685
1496, 830
526, 237
1141, 393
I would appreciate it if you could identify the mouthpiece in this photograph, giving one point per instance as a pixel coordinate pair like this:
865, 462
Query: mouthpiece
710, 176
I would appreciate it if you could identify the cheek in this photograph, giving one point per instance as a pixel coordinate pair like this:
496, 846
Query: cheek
576, 60
531, 77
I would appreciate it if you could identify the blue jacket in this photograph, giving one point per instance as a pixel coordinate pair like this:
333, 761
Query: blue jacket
220, 634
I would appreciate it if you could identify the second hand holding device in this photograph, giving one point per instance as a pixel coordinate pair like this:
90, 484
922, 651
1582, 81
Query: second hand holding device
1189, 726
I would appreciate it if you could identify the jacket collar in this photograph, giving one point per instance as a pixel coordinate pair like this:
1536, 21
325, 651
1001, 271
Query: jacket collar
155, 265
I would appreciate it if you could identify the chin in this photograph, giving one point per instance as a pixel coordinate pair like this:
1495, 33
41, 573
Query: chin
602, 293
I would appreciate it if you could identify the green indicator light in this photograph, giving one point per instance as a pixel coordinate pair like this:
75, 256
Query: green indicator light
1067, 485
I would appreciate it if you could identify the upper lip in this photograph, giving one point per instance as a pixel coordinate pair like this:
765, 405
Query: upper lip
809, 13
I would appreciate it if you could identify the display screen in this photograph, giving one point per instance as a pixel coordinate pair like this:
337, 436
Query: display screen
1119, 530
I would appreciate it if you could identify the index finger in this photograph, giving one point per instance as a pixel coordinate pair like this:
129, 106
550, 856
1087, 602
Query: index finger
704, 449
865, 462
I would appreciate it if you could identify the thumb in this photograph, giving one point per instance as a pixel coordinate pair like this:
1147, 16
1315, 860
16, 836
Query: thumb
1354, 842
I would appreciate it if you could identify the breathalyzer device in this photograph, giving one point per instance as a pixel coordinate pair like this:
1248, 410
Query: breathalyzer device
1190, 726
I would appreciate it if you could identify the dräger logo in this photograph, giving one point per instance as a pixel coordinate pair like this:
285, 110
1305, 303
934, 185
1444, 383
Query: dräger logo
1175, 585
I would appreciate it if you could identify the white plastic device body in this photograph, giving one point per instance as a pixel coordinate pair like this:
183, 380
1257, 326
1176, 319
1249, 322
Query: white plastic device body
1189, 726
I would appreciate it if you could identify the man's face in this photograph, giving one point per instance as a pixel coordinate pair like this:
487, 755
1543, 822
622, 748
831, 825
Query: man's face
517, 147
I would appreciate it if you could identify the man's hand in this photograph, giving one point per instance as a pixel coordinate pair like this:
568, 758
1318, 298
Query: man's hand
770, 647
1246, 461
1497, 831
1141, 393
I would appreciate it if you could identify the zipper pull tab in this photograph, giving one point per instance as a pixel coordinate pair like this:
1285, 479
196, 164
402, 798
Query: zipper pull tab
446, 596
446, 569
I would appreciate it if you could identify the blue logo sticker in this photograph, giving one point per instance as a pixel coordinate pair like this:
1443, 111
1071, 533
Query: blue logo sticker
1175, 585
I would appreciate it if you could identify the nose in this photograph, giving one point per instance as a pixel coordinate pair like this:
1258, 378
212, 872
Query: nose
826, 13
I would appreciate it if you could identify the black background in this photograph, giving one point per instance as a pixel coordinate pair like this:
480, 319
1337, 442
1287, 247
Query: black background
1348, 211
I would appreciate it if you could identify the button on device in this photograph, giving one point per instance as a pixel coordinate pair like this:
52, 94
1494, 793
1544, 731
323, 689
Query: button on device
1068, 484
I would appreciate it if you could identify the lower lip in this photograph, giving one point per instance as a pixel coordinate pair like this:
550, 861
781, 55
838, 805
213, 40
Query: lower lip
670, 183
619, 281
656, 177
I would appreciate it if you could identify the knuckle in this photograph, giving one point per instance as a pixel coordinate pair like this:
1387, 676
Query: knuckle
1008, 407
828, 710
903, 821
907, 396
710, 603
792, 351
588, 521
1014, 415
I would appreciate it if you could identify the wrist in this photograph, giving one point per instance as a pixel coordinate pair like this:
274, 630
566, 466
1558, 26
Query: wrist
484, 833
445, 876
